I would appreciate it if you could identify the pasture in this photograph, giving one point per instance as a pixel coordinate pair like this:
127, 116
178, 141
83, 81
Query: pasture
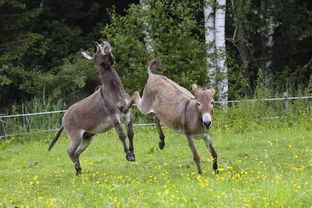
261, 165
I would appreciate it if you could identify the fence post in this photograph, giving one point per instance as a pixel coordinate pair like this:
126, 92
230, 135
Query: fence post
3, 123
285, 94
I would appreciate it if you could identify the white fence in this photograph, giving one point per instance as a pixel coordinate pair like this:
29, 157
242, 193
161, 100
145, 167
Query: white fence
4, 117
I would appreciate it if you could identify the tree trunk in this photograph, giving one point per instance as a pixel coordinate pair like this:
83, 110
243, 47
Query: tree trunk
267, 46
244, 54
239, 38
220, 46
41, 4
210, 40
310, 85
147, 28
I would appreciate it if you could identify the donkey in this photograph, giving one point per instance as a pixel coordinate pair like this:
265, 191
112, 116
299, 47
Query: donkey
178, 109
99, 112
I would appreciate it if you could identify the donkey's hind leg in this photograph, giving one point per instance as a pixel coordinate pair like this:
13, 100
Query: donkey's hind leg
145, 103
75, 140
86, 140
130, 133
161, 144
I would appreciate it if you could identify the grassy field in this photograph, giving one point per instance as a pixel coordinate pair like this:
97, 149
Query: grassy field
264, 167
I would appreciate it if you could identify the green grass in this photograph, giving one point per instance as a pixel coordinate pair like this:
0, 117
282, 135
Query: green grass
264, 167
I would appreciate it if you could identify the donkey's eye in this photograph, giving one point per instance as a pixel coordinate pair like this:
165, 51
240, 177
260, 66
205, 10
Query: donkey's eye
212, 102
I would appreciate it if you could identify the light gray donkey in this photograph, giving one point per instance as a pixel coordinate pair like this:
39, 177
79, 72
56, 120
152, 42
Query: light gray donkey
178, 109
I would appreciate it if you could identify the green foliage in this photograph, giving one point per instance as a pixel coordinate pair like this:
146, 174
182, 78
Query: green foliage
175, 39
15, 41
293, 47
247, 115
39, 41
20, 125
239, 85
65, 80
290, 60
3, 145
262, 91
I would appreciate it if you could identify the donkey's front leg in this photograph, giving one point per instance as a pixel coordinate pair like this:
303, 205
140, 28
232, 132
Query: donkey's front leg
130, 133
196, 157
131, 101
126, 108
122, 137
212, 152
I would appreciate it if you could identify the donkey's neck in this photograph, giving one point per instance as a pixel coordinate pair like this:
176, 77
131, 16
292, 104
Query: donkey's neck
110, 80
108, 74
192, 119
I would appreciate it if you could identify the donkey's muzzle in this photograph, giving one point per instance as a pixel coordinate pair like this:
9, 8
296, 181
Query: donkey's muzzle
206, 120
207, 124
106, 46
96, 43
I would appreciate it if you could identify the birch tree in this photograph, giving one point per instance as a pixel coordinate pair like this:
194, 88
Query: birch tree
267, 8
147, 28
215, 40
220, 47
210, 40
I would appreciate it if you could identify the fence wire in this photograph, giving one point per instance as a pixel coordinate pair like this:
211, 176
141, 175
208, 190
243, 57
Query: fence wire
29, 131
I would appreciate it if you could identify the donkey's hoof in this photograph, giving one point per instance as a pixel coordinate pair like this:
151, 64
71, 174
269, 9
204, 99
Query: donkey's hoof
78, 172
130, 156
161, 145
133, 155
215, 168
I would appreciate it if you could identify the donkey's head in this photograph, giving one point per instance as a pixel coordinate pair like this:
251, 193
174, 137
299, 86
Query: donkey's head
204, 104
103, 55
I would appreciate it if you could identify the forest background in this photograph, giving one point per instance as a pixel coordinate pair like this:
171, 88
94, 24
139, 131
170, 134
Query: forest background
268, 47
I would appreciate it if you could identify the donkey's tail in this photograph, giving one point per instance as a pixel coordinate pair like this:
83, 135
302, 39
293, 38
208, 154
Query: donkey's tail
55, 138
154, 64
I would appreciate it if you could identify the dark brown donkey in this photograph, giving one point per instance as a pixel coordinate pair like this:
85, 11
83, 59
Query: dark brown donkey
178, 109
99, 112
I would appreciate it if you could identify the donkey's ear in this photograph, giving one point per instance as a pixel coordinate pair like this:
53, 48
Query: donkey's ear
212, 91
85, 54
195, 88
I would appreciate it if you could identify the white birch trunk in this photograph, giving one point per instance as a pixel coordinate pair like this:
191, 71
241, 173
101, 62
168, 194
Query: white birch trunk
220, 46
267, 7
41, 4
210, 41
268, 48
147, 39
